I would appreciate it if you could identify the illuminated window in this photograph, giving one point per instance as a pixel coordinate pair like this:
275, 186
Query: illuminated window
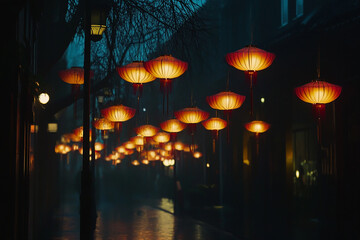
284, 12
52, 127
299, 8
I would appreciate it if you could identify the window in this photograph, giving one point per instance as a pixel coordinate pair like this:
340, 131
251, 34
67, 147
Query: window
299, 8
284, 12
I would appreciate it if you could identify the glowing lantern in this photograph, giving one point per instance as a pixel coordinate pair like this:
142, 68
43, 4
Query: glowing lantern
79, 132
138, 140
168, 147
214, 125
120, 149
128, 151
151, 155
71, 137
197, 154
75, 77
147, 130
135, 163
179, 146
103, 125
191, 115
173, 126
166, 68
318, 93
136, 74
225, 101
162, 137
118, 114
145, 162
129, 145
62, 148
257, 127
251, 60
99, 146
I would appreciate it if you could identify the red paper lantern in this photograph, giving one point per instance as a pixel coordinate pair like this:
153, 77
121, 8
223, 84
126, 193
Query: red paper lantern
257, 127
166, 68
136, 74
214, 125
172, 126
250, 60
146, 130
75, 77
191, 115
225, 101
318, 93
118, 114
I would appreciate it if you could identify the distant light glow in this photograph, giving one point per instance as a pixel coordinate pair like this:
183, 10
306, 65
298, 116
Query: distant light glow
52, 127
144, 109
297, 174
44, 98
262, 100
246, 162
208, 165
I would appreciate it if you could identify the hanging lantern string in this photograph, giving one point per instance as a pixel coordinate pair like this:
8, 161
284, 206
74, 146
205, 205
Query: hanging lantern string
318, 63
251, 23
227, 81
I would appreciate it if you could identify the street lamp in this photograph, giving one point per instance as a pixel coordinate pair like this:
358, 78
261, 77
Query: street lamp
44, 98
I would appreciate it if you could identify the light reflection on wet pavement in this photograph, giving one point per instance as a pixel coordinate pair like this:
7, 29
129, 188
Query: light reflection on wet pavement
136, 222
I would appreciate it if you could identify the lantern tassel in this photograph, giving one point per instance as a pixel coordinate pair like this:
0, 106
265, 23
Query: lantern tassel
165, 88
75, 92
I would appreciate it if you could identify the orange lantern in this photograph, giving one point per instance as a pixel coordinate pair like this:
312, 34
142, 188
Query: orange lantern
251, 60
129, 145
191, 115
120, 149
75, 77
99, 146
136, 74
214, 125
146, 130
318, 93
257, 127
138, 140
225, 101
62, 148
197, 154
128, 151
103, 125
179, 146
118, 114
166, 68
162, 137
145, 162
71, 137
173, 126
135, 163
79, 132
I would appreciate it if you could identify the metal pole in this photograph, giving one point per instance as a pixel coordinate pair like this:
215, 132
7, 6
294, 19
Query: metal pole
85, 195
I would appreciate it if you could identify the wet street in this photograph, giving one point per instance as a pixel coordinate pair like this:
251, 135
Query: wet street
129, 221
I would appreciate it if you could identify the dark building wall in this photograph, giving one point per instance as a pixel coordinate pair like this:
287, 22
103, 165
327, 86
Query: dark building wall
267, 193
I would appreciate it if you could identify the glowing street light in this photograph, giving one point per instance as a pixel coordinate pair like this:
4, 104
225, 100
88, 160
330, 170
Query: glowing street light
44, 98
